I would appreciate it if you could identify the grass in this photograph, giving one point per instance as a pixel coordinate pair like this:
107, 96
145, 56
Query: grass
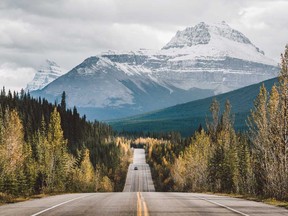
275, 202
6, 198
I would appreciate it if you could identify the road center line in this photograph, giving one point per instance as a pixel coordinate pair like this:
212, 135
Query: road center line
146, 213
139, 208
141, 202
224, 206
63, 203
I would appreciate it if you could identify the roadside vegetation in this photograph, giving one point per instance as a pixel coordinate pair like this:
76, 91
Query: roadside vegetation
48, 149
217, 159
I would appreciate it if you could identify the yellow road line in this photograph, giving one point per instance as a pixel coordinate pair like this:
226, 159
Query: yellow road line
142, 202
146, 213
139, 207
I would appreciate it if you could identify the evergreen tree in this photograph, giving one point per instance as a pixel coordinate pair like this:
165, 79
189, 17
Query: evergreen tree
63, 101
213, 126
42, 155
223, 170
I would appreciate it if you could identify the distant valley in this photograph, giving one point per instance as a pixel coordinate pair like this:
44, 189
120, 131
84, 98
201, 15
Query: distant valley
186, 118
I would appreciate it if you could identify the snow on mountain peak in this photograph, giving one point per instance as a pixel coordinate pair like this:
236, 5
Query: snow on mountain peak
198, 34
203, 33
214, 41
48, 72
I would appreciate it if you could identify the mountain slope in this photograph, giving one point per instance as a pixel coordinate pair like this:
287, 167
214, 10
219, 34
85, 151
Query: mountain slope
187, 117
198, 62
47, 73
101, 90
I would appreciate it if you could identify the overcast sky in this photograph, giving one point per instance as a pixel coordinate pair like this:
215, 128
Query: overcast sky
68, 31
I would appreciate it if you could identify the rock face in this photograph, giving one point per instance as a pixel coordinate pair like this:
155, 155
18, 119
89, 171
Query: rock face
47, 73
198, 62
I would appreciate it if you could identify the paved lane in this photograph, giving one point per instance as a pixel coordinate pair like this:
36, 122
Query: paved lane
140, 203
105, 204
204, 204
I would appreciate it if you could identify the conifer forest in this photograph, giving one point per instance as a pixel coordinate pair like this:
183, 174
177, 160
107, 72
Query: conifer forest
46, 148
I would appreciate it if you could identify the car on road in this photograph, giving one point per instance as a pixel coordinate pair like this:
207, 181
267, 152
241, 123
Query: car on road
135, 168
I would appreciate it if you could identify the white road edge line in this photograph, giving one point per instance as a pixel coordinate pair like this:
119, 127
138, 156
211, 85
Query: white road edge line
231, 209
55, 206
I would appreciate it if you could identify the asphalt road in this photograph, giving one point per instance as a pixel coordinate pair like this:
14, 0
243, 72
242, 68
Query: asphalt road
133, 201
139, 175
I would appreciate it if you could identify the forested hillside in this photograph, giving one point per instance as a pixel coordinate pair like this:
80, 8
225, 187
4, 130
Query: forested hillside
218, 159
47, 148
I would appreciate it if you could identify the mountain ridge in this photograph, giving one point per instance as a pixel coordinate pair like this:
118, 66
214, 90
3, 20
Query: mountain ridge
118, 84
47, 73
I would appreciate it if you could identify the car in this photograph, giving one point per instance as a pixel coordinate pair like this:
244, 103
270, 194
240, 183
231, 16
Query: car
135, 168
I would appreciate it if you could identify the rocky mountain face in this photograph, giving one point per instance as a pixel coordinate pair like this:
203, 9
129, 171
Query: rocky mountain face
47, 73
198, 62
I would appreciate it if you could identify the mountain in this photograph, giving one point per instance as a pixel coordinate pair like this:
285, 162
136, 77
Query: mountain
198, 62
47, 73
186, 118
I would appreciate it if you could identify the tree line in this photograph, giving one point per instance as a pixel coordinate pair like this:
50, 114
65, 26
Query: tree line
47, 148
218, 159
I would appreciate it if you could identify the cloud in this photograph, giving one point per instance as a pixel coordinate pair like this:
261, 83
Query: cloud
15, 77
265, 22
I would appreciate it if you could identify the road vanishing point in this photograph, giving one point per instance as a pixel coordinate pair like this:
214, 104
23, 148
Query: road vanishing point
140, 199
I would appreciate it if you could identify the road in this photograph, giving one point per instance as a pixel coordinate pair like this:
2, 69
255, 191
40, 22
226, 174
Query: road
139, 175
139, 199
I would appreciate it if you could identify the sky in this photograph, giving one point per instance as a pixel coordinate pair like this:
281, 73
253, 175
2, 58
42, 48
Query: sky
69, 31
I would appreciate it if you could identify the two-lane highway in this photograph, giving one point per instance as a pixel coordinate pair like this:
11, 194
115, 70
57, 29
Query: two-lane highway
139, 174
138, 199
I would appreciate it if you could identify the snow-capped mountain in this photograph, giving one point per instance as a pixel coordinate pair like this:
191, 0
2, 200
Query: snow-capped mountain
47, 73
198, 62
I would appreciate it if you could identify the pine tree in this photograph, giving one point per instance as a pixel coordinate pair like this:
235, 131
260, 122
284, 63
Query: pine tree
213, 126
42, 155
63, 101
223, 164
246, 177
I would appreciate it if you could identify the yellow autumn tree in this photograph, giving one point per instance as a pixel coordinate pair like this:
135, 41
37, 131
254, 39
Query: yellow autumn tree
269, 135
190, 171
11, 153
58, 157
87, 176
